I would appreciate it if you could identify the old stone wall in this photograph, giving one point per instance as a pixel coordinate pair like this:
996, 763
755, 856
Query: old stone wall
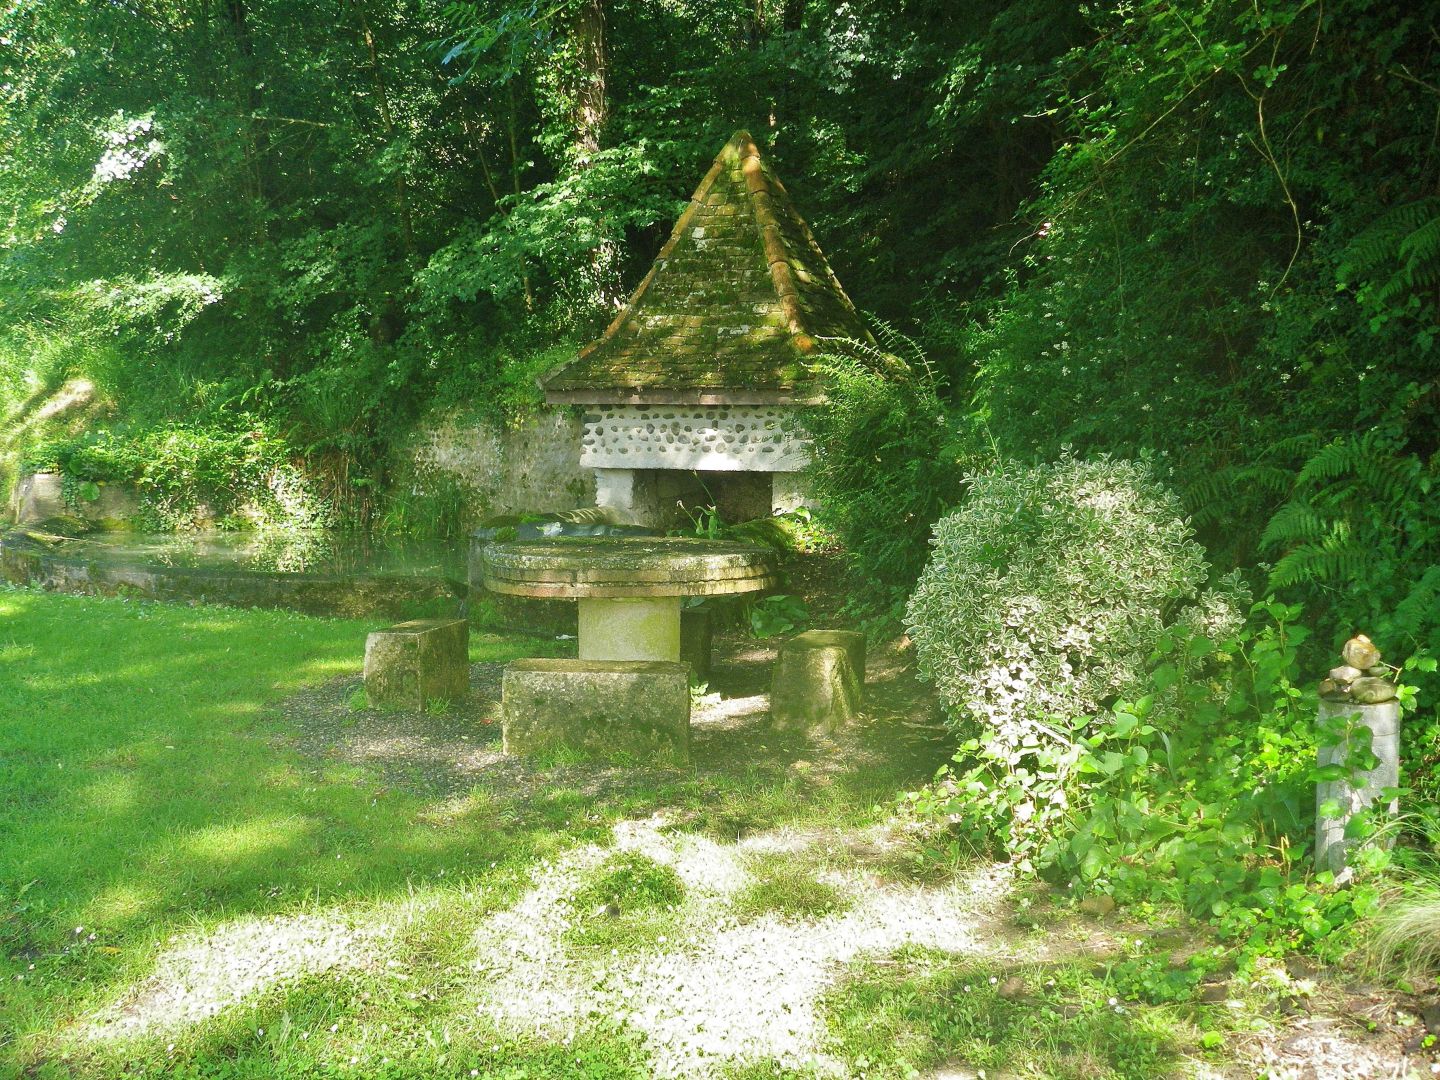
531, 466
38, 497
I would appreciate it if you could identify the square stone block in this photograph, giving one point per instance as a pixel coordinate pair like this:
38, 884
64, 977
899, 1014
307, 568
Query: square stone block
608, 708
413, 663
818, 680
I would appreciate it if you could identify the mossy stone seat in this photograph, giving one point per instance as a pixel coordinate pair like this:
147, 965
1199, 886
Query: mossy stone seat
413, 663
605, 708
818, 681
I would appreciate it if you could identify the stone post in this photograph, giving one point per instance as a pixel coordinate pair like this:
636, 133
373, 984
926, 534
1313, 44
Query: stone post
630, 493
1362, 701
789, 491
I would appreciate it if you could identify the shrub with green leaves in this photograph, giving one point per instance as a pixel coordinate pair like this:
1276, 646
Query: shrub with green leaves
1047, 591
239, 476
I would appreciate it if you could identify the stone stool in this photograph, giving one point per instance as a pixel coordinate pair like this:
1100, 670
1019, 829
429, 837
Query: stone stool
632, 708
818, 680
413, 663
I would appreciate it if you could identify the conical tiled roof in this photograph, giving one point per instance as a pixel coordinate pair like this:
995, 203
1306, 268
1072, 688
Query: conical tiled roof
737, 298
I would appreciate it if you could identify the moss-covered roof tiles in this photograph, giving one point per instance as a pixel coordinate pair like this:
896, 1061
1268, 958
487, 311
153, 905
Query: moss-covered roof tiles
735, 301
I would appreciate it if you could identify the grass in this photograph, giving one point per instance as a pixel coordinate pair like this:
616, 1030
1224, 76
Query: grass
144, 794
782, 886
632, 900
924, 1009
149, 796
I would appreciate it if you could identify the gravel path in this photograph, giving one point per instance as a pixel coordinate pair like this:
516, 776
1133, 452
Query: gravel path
714, 992
204, 974
726, 991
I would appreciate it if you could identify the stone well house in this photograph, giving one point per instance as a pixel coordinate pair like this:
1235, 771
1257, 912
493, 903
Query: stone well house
694, 389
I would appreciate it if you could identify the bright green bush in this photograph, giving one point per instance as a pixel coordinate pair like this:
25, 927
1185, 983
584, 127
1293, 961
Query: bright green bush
1046, 593
1198, 791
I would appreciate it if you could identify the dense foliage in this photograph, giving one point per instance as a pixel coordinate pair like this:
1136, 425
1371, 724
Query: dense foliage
340, 215
254, 241
1048, 590
885, 468
187, 476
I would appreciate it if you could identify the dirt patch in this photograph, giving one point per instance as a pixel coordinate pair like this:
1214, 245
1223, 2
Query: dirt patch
452, 752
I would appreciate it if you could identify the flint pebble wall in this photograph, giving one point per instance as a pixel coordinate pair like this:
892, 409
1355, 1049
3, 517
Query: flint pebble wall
719, 439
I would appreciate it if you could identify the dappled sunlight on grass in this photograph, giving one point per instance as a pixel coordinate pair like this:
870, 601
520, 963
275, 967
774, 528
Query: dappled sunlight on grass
159, 799
119, 904
149, 799
111, 794
245, 839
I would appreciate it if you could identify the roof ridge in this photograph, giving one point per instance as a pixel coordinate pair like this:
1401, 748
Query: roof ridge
758, 182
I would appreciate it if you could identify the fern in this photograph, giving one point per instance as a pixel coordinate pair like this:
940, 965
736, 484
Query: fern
1212, 497
1421, 604
1398, 253
1293, 448
1296, 522
1368, 458
900, 344
1335, 459
1344, 522
1330, 562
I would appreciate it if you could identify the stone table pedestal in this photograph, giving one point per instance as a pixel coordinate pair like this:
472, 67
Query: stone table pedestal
629, 588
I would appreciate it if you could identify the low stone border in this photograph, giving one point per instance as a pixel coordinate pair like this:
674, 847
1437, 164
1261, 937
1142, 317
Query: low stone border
23, 561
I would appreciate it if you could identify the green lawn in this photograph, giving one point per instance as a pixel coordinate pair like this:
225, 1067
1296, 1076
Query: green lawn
142, 795
149, 800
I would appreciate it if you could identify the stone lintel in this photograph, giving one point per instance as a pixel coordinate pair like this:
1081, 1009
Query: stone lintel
735, 438
788, 459
622, 396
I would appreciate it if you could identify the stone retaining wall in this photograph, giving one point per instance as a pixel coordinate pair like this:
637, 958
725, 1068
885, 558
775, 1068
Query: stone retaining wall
25, 562
38, 497
532, 466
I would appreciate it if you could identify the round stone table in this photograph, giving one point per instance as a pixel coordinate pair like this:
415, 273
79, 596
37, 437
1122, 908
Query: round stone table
629, 587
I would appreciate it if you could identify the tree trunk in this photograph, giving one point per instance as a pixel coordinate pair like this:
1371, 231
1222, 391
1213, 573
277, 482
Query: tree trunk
256, 140
402, 195
590, 108
589, 112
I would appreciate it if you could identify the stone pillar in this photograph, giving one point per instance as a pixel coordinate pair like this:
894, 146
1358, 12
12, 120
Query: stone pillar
789, 491
630, 493
630, 628
1363, 789
697, 640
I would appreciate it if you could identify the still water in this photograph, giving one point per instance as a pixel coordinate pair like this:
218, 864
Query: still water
290, 552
